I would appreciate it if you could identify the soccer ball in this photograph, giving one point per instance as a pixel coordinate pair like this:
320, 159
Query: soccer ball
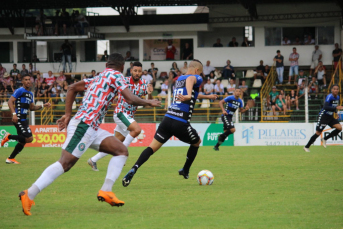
205, 177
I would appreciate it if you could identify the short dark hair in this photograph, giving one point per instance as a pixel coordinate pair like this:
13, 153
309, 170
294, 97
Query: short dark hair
137, 64
116, 60
26, 75
335, 85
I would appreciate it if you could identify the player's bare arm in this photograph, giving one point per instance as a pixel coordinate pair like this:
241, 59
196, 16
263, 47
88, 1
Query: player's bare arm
35, 108
134, 100
73, 89
221, 105
213, 96
11, 102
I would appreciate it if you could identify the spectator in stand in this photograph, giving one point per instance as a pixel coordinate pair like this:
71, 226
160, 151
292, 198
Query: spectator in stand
294, 68
55, 91
233, 43
309, 40
297, 41
316, 57
147, 77
91, 76
320, 72
292, 99
218, 43
187, 52
35, 59
39, 79
2, 72
43, 91
81, 22
14, 72
2, 93
313, 87
246, 42
174, 68
24, 71
32, 71
164, 92
272, 97
301, 89
231, 87
170, 50
282, 93
208, 88
286, 41
280, 105
128, 56
65, 20
279, 66
336, 53
128, 70
244, 88
64, 90
50, 79
260, 70
184, 68
219, 88
66, 48
61, 78
8, 84
40, 23
153, 71
105, 56
212, 77
228, 71
302, 77
17, 82
207, 69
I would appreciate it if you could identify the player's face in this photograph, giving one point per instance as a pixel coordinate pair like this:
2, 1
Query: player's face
136, 73
26, 81
238, 92
335, 90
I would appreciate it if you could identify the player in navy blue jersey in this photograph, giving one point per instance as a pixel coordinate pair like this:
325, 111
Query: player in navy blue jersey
232, 103
326, 117
176, 121
20, 103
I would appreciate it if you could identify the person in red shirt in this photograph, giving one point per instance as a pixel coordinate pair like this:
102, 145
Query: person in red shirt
50, 79
170, 50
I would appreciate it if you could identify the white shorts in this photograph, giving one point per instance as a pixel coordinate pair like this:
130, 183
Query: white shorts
81, 136
314, 64
123, 121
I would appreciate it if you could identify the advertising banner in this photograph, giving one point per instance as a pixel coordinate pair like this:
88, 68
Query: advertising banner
337, 140
155, 49
208, 134
50, 136
272, 134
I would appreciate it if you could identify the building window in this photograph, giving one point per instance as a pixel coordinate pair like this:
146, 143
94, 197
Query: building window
326, 35
249, 32
272, 36
149, 11
6, 52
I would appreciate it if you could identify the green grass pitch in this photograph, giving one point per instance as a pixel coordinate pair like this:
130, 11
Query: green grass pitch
254, 187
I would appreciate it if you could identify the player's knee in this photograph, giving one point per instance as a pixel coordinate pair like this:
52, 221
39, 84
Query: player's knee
136, 131
29, 140
197, 144
122, 151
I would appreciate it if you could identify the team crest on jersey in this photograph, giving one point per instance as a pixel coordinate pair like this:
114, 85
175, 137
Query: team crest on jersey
82, 146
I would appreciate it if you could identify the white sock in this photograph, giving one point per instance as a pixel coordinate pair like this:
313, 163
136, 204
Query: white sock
98, 156
48, 176
128, 140
115, 166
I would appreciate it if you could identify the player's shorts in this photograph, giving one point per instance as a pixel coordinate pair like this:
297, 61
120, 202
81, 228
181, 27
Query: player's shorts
81, 136
123, 121
170, 127
227, 121
324, 120
23, 129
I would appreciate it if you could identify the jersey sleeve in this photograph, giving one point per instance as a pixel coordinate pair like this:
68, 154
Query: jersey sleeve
87, 81
33, 98
228, 99
241, 103
328, 98
199, 81
17, 93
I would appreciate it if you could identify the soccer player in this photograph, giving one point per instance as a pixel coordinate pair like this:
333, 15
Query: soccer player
233, 102
325, 118
83, 131
127, 128
20, 103
177, 121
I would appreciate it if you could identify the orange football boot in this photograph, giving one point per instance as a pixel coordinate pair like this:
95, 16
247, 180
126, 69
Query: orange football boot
26, 202
110, 198
5, 139
12, 161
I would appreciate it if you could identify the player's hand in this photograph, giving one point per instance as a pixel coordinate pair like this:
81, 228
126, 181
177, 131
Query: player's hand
46, 105
150, 89
15, 119
60, 123
213, 96
225, 113
339, 107
182, 98
154, 103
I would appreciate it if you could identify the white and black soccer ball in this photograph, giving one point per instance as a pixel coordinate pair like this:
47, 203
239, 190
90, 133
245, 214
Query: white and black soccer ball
205, 177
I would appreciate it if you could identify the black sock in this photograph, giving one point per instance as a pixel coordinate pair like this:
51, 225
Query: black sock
18, 138
143, 158
17, 149
191, 154
222, 138
312, 140
332, 134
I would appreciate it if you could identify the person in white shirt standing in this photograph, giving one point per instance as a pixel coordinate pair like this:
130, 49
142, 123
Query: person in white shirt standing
147, 77
208, 69
316, 57
219, 88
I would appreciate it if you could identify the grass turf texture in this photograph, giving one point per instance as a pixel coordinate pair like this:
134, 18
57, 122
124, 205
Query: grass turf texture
254, 187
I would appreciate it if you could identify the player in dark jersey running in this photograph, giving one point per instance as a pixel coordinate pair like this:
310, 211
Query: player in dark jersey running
20, 103
326, 117
177, 121
233, 102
